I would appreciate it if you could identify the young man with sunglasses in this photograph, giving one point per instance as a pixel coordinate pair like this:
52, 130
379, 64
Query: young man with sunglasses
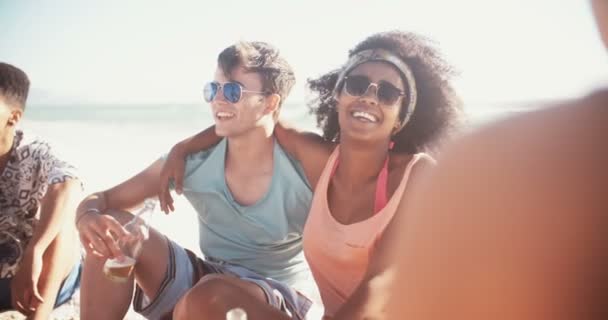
252, 202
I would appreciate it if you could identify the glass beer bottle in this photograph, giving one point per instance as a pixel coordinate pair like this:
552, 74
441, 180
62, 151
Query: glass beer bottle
119, 269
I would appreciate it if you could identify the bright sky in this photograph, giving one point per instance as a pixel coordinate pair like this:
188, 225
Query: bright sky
163, 51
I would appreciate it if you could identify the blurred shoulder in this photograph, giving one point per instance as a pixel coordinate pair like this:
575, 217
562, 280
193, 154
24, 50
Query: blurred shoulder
558, 127
418, 160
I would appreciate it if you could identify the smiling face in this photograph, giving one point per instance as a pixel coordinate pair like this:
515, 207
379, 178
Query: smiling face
234, 119
366, 117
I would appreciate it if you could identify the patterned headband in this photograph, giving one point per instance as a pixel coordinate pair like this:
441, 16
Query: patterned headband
385, 56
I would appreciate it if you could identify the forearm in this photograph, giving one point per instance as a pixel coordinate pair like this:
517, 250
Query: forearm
124, 196
201, 141
56, 209
94, 203
58, 261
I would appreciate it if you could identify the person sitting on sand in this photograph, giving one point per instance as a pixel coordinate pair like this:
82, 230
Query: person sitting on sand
251, 217
39, 191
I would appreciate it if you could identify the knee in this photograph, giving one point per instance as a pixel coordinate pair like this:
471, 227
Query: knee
92, 266
91, 261
211, 296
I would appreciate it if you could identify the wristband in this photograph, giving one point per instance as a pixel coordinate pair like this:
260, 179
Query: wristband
89, 210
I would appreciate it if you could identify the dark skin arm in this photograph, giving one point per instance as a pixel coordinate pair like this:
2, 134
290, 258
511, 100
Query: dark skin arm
307, 147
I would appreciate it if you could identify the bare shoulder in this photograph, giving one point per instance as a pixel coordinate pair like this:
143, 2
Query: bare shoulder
303, 145
68, 185
316, 144
572, 122
400, 161
315, 159
552, 157
309, 148
326, 148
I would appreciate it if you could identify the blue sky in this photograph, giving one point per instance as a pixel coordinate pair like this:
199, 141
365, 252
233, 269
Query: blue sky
163, 51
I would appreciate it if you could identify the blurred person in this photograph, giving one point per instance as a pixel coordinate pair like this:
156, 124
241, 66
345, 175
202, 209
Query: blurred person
512, 223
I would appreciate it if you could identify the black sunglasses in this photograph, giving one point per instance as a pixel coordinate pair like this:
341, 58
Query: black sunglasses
233, 91
358, 85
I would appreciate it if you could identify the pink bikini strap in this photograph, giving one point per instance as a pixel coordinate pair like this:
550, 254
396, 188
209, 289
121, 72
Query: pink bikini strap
381, 188
381, 185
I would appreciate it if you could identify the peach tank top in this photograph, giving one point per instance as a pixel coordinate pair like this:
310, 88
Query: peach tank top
339, 254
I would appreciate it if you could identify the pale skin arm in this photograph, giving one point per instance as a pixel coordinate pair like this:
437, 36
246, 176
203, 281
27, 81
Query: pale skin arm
35, 285
98, 232
309, 148
371, 296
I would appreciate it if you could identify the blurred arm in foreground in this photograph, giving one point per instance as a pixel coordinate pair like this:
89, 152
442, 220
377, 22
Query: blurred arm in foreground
512, 222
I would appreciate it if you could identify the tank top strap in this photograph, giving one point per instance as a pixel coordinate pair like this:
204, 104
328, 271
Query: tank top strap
381, 197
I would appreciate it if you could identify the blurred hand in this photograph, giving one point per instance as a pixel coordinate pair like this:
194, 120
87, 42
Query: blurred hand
99, 234
173, 169
24, 288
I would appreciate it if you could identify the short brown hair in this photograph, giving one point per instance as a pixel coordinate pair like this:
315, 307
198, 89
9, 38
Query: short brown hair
260, 57
14, 85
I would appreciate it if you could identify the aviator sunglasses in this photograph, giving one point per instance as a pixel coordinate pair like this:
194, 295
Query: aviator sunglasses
358, 86
233, 91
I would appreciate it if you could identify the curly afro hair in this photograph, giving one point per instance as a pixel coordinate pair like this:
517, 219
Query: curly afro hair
437, 107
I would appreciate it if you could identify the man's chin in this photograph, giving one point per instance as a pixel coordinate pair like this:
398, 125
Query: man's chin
222, 132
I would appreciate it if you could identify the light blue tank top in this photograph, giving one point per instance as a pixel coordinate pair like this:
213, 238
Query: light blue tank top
265, 237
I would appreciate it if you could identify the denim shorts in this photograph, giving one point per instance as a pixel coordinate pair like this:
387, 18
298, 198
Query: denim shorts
70, 284
184, 269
